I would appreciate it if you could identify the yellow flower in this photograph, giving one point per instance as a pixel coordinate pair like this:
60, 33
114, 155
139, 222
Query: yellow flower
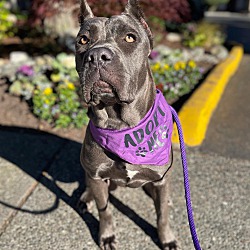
166, 67
71, 86
177, 66
156, 67
55, 77
192, 64
46, 101
47, 91
182, 65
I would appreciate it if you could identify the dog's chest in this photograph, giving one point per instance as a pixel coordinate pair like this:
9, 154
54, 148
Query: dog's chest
149, 142
132, 175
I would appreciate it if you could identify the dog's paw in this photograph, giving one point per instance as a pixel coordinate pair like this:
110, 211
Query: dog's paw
85, 207
85, 203
108, 243
107, 240
171, 246
167, 238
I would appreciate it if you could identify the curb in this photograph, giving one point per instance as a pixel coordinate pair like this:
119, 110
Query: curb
197, 111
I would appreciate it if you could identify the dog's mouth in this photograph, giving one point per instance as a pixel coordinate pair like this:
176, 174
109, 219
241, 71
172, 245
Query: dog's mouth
102, 88
100, 91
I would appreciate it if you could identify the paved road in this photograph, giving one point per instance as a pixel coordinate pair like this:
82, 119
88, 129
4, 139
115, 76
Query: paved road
228, 133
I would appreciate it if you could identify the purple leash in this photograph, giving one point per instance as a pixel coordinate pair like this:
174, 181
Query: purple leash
186, 182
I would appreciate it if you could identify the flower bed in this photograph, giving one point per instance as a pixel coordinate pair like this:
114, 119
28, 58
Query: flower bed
51, 86
177, 79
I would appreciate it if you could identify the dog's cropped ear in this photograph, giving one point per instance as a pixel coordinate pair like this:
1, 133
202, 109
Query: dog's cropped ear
85, 11
132, 8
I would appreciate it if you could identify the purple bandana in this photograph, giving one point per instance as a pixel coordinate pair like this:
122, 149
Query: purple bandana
148, 143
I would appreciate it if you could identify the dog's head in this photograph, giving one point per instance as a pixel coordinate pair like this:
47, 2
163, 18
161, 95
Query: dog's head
112, 54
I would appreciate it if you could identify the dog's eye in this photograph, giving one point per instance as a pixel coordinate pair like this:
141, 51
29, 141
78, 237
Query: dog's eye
84, 40
130, 38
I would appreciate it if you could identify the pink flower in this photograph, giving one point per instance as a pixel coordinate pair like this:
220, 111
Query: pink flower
154, 54
26, 70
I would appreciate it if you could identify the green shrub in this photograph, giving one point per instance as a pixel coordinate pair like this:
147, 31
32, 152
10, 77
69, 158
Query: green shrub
203, 35
7, 21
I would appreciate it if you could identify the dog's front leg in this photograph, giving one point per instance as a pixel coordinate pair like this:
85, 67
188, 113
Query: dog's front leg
161, 197
100, 190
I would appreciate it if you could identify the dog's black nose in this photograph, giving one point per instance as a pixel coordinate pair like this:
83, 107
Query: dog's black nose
100, 56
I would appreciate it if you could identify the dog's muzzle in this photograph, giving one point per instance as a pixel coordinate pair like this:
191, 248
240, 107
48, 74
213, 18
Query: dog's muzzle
98, 83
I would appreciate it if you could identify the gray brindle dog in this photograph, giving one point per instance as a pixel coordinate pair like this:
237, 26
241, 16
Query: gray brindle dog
117, 84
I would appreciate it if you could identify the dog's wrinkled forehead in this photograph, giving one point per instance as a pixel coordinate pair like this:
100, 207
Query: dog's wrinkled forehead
94, 24
131, 22
113, 29
94, 28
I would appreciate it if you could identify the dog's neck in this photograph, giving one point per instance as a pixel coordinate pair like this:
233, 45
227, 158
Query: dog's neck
119, 116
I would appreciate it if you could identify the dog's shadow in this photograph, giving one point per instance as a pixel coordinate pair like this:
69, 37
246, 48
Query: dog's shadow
49, 159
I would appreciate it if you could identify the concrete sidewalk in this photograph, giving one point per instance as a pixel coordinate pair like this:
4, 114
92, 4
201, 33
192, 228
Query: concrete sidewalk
41, 180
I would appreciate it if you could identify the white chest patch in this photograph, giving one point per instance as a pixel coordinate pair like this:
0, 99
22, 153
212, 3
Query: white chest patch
131, 173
